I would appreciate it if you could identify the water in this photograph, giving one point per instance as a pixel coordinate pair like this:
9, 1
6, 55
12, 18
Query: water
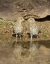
21, 53
22, 49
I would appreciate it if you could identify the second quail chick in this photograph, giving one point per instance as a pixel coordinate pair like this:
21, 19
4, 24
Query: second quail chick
34, 28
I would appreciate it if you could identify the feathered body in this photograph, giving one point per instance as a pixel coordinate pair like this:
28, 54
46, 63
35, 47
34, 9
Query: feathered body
18, 28
34, 28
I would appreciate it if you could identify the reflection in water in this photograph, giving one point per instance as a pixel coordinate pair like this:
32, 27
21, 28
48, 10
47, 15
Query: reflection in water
23, 49
33, 49
17, 51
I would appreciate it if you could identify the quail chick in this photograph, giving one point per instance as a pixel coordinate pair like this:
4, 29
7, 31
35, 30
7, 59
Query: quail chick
18, 28
34, 28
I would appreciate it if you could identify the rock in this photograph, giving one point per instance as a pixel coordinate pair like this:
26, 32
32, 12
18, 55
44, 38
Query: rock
10, 9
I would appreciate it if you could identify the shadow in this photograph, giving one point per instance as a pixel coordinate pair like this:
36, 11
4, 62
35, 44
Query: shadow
34, 36
43, 19
14, 35
14, 44
46, 43
26, 44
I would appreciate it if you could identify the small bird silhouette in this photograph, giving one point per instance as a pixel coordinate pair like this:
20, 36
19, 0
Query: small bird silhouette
18, 28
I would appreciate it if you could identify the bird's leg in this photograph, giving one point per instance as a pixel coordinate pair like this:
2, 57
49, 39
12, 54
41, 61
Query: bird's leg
16, 37
37, 42
20, 36
31, 41
31, 37
37, 36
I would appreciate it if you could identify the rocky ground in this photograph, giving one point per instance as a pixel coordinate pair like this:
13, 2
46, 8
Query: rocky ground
13, 8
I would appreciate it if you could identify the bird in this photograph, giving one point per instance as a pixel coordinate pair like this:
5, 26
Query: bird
33, 50
18, 28
18, 51
33, 27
